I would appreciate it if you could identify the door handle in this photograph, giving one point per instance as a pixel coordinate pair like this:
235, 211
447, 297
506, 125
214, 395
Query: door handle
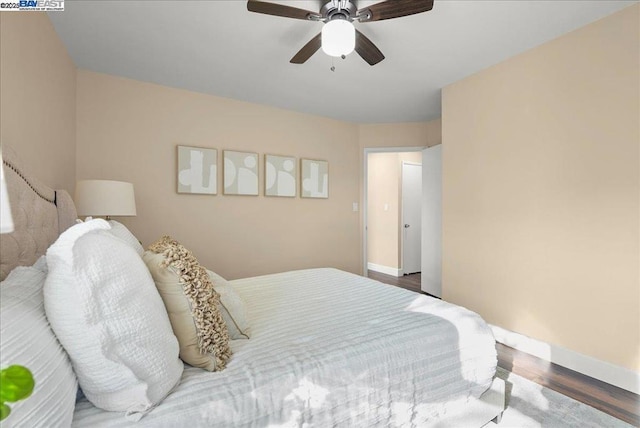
406, 226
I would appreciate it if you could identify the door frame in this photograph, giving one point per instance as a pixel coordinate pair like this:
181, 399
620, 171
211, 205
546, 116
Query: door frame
402, 213
365, 180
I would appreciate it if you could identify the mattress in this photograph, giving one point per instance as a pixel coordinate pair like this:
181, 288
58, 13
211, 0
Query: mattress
330, 348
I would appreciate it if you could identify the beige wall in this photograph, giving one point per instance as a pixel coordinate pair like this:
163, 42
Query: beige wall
38, 97
413, 134
541, 191
128, 130
382, 225
384, 187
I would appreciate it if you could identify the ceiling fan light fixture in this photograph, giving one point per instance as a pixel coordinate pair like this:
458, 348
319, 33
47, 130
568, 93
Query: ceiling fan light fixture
338, 37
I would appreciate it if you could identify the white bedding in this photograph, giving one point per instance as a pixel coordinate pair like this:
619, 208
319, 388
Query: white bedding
331, 348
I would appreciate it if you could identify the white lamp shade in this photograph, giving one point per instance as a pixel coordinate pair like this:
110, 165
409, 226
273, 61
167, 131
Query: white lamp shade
338, 37
105, 198
6, 221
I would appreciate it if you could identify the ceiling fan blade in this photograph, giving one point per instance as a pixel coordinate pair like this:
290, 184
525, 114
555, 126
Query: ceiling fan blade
394, 9
307, 50
367, 50
279, 10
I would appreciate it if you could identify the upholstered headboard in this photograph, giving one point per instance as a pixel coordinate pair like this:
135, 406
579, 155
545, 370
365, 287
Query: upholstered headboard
39, 214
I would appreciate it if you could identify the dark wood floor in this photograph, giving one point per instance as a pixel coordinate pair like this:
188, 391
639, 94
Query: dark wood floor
410, 282
610, 399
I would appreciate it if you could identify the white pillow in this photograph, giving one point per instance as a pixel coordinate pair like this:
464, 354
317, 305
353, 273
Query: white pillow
104, 307
233, 309
119, 230
26, 339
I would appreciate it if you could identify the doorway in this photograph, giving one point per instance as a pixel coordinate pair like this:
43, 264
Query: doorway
385, 235
430, 278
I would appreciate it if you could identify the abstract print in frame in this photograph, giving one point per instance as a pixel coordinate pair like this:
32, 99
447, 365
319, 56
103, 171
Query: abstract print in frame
240, 173
280, 175
197, 170
314, 178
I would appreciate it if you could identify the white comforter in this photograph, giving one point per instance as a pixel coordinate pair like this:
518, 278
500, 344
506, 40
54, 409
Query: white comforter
331, 348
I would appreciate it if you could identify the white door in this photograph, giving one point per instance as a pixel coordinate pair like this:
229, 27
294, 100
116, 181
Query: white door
431, 280
411, 217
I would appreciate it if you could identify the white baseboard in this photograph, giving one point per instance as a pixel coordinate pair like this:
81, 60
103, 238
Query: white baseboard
385, 269
601, 370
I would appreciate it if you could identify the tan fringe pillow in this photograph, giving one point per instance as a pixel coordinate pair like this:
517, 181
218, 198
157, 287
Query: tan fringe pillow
191, 302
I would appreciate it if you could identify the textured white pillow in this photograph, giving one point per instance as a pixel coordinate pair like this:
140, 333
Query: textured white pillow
232, 307
27, 339
104, 307
119, 230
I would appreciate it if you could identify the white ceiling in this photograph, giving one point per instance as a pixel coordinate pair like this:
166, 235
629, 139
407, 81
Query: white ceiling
220, 48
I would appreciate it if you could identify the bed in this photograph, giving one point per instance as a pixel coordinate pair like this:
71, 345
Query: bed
328, 348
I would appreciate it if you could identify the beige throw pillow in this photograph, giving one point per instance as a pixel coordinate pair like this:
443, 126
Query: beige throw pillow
232, 307
191, 302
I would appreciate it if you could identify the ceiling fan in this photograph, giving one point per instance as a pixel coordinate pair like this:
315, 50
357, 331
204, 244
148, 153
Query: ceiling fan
339, 37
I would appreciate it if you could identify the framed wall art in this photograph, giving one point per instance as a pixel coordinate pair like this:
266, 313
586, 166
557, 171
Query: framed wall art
197, 170
314, 178
240, 173
280, 176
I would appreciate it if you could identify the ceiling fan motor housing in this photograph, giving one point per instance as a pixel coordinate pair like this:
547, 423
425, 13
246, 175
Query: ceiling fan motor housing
339, 9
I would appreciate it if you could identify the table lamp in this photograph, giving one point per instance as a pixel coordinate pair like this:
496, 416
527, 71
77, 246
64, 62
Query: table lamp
105, 198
